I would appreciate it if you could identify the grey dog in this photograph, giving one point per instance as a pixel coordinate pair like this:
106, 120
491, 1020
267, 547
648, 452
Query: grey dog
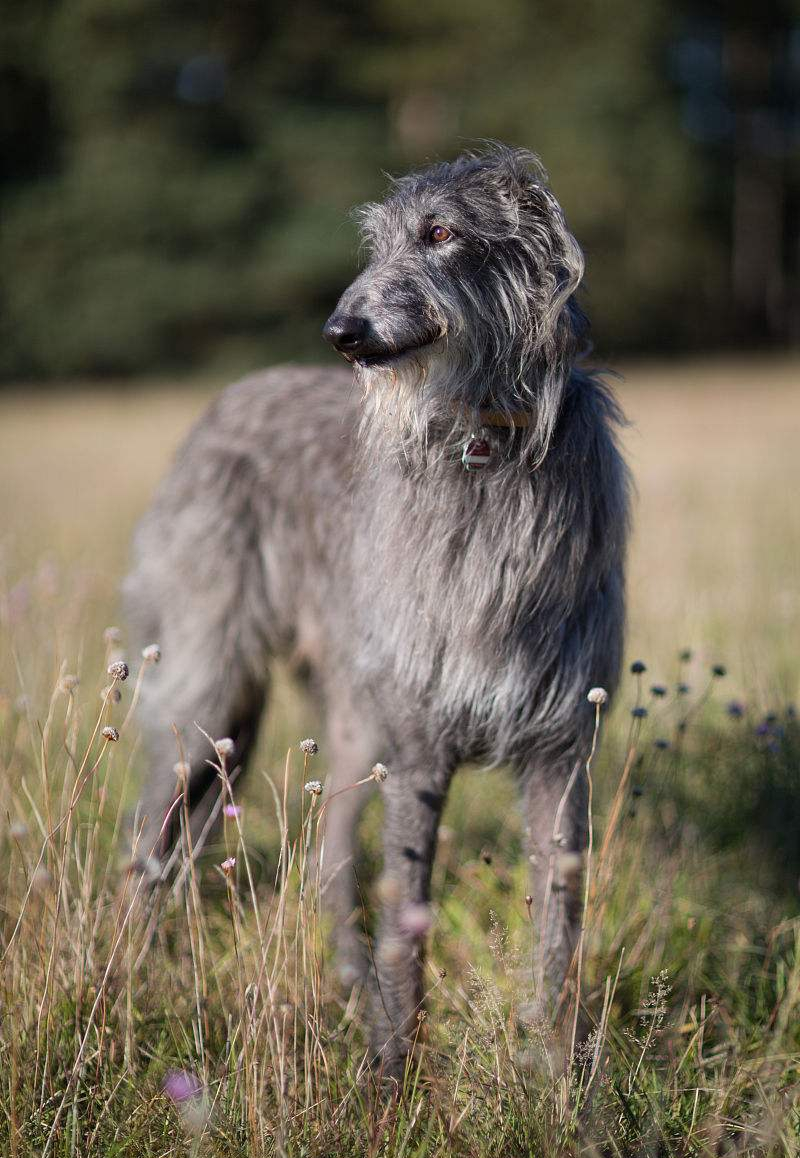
437, 534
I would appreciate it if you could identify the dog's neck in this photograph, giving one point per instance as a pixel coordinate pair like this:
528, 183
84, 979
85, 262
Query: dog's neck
419, 417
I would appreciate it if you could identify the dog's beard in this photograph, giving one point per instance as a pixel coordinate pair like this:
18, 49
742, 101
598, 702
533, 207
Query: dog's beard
413, 409
394, 393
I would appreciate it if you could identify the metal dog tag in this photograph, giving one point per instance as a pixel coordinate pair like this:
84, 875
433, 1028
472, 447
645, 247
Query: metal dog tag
476, 454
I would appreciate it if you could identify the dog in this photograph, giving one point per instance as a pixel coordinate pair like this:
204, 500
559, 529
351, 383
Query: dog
437, 533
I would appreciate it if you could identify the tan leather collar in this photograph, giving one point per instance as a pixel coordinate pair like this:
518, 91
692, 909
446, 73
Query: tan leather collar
512, 419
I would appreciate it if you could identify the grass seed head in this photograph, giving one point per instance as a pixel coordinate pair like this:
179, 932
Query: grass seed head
151, 868
225, 747
181, 770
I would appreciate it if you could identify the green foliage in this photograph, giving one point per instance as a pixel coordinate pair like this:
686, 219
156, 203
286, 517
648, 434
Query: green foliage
178, 177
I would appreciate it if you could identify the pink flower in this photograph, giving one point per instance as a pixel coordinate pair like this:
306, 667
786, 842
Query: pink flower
228, 865
232, 811
185, 1090
415, 920
181, 1085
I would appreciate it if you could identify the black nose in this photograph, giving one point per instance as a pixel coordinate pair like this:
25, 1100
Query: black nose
345, 333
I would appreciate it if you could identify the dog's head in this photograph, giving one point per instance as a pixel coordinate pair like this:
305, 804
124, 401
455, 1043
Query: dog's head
468, 286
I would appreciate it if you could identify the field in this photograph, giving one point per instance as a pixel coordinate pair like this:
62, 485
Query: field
213, 1026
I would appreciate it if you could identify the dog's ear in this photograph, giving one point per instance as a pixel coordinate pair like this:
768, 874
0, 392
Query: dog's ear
562, 253
556, 329
521, 178
515, 171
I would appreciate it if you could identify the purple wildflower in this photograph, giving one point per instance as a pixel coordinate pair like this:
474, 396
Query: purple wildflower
181, 1085
735, 709
415, 920
185, 1090
232, 811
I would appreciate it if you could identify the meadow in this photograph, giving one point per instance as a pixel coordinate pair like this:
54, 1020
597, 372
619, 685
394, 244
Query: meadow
206, 1019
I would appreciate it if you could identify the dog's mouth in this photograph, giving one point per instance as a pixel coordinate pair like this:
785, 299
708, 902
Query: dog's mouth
390, 357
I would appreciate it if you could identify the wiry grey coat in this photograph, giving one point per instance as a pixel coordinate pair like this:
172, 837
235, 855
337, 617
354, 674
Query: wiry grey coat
446, 615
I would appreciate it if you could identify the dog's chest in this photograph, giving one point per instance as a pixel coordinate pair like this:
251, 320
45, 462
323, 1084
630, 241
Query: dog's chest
448, 581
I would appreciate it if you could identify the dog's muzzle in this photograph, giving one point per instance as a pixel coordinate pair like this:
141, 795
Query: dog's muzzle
354, 338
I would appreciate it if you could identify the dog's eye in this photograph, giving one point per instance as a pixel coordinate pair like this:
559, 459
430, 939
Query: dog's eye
439, 233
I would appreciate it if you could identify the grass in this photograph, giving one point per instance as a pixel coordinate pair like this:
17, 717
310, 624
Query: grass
691, 972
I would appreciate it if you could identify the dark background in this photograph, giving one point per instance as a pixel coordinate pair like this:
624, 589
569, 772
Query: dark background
176, 177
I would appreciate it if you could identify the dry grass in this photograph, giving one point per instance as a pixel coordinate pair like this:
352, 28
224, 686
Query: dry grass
693, 880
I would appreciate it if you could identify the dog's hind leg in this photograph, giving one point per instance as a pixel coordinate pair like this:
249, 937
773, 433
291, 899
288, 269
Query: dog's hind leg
198, 590
178, 749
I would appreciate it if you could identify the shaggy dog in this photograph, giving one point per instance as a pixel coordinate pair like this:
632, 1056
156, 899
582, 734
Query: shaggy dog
436, 533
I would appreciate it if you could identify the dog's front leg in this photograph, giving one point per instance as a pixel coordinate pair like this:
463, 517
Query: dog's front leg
413, 802
554, 805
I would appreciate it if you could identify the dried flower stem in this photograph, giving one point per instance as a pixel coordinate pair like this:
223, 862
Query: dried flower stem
589, 850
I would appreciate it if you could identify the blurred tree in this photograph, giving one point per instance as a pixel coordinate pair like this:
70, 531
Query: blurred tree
175, 178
